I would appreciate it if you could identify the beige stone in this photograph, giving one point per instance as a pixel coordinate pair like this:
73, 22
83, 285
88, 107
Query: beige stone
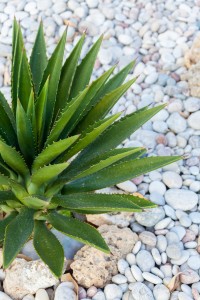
121, 219
24, 278
192, 77
93, 267
192, 56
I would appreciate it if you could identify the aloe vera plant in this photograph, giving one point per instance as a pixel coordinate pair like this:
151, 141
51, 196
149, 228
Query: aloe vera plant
58, 145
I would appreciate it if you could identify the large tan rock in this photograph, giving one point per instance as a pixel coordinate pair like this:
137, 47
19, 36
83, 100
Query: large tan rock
24, 278
93, 267
192, 76
192, 56
121, 219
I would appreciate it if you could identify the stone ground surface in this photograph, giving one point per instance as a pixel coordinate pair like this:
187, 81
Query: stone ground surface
165, 261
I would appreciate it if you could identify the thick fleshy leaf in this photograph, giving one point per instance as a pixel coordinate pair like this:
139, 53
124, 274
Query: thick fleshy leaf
90, 135
40, 112
48, 248
107, 162
7, 122
104, 105
116, 134
4, 180
52, 151
84, 70
118, 173
38, 60
121, 154
25, 134
16, 235
18, 47
67, 76
25, 81
47, 173
78, 230
13, 159
7, 195
32, 117
4, 223
101, 202
65, 117
110, 86
53, 71
34, 202
83, 108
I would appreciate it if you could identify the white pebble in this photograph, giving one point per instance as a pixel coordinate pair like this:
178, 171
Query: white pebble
137, 274
151, 278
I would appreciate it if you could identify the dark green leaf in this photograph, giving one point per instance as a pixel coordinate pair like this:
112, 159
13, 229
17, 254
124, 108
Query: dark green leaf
40, 112
13, 159
84, 70
38, 60
4, 223
48, 248
64, 118
104, 106
18, 47
116, 134
73, 170
53, 71
78, 230
118, 173
67, 76
83, 107
7, 122
90, 135
45, 174
16, 235
52, 151
24, 134
99, 202
25, 81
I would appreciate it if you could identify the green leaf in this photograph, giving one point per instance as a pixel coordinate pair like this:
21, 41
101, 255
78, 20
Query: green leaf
47, 173
7, 195
25, 81
78, 230
4, 223
16, 235
84, 70
40, 112
7, 122
116, 134
52, 151
99, 202
31, 116
4, 180
48, 248
53, 71
38, 60
104, 106
84, 105
65, 117
118, 173
34, 202
67, 76
25, 134
124, 153
18, 47
90, 135
113, 83
107, 162
13, 159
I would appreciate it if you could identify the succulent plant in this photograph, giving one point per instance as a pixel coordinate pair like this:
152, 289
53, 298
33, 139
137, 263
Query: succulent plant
58, 145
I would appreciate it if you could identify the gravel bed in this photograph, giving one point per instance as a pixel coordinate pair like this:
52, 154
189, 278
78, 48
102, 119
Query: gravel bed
158, 34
